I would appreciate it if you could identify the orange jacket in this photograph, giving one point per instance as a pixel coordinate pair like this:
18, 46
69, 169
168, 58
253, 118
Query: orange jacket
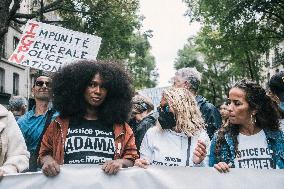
54, 139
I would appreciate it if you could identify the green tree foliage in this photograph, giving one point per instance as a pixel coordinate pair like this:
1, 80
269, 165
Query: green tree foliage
116, 21
215, 80
249, 28
8, 14
265, 17
118, 24
113, 20
189, 56
234, 37
141, 63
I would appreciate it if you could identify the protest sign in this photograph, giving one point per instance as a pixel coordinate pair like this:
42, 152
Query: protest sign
91, 176
155, 94
48, 47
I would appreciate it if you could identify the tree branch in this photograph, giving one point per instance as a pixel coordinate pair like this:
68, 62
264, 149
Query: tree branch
277, 16
54, 21
51, 5
273, 31
53, 9
74, 10
14, 9
19, 21
48, 8
280, 4
26, 16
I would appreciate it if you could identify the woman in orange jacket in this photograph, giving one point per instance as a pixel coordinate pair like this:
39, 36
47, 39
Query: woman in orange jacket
94, 101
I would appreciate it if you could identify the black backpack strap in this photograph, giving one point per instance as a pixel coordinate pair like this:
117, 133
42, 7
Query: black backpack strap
47, 123
188, 151
33, 159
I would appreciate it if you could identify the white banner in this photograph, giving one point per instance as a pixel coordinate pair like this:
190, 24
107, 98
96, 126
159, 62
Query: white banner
48, 47
91, 176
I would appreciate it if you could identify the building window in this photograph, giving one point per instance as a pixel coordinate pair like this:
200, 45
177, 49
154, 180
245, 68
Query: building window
15, 42
2, 50
2, 80
15, 84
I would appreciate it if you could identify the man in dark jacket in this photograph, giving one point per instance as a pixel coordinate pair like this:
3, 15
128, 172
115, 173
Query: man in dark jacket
276, 87
190, 78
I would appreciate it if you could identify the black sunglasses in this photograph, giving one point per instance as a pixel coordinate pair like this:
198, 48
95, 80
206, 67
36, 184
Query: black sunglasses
165, 108
41, 83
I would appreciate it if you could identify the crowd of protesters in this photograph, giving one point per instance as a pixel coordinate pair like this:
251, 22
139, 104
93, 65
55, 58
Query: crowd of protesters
87, 113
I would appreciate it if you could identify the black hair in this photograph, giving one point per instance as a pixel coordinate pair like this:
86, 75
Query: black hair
267, 114
72, 80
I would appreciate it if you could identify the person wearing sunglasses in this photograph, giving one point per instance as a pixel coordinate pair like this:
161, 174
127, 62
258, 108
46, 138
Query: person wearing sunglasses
91, 128
142, 117
179, 139
34, 122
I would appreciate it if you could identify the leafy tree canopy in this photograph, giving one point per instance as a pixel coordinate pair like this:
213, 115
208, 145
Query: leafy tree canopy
235, 37
115, 21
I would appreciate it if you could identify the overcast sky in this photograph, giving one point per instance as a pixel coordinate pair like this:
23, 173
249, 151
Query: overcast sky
171, 31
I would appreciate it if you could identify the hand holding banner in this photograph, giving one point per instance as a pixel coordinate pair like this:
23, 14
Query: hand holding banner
92, 176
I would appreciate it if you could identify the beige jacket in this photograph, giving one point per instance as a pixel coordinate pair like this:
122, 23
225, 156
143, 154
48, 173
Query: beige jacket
14, 157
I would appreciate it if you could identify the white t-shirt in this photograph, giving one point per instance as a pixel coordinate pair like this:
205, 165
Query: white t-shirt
169, 148
281, 121
253, 152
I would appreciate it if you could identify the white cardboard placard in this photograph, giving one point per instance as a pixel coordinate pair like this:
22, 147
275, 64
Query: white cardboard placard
48, 47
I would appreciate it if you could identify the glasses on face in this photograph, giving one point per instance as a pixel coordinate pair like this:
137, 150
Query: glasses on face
165, 108
41, 83
134, 113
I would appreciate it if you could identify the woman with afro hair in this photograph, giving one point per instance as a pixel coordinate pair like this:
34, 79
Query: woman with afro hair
94, 101
251, 138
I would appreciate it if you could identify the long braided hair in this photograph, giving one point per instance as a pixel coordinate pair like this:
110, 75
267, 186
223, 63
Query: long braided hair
266, 115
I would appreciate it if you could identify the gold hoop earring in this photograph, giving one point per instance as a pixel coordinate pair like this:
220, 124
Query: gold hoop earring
252, 119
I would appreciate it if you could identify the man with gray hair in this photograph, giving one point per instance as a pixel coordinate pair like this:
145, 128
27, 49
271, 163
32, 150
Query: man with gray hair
190, 79
18, 106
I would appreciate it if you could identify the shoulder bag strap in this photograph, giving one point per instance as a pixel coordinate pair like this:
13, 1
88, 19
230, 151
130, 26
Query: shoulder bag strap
188, 151
49, 115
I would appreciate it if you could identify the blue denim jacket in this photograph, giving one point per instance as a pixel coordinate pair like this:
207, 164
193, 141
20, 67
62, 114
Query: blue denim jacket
275, 140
